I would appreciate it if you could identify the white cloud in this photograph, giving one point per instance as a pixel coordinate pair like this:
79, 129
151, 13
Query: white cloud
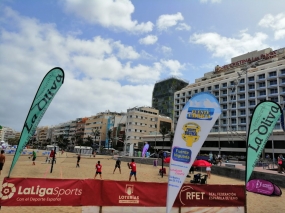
93, 72
183, 26
150, 39
166, 21
173, 66
108, 13
276, 23
226, 47
166, 50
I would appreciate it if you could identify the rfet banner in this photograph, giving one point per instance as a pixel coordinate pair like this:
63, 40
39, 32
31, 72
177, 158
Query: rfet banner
195, 122
264, 117
90, 192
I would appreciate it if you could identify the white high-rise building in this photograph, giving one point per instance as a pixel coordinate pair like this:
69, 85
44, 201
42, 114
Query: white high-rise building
239, 87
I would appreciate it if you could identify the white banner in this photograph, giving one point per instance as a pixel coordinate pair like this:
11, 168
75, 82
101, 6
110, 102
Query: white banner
195, 122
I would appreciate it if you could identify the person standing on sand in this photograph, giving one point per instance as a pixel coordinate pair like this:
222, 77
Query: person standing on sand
78, 160
117, 165
133, 168
98, 170
208, 170
34, 155
2, 160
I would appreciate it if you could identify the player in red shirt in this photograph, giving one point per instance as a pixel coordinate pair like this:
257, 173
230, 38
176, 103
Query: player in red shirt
133, 168
98, 170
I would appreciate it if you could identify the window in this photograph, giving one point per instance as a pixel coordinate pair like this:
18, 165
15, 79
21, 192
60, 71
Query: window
202, 89
252, 103
274, 82
177, 95
241, 81
242, 96
243, 120
272, 74
209, 88
251, 86
283, 89
224, 121
273, 91
275, 99
183, 94
196, 91
241, 89
242, 112
224, 84
225, 99
225, 107
242, 104
224, 114
262, 84
262, 76
251, 94
234, 105
283, 71
234, 121
216, 86
216, 93
262, 92
283, 80
232, 83
189, 92
251, 78
234, 113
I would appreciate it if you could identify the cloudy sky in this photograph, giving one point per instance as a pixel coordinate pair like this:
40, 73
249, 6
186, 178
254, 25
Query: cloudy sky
113, 52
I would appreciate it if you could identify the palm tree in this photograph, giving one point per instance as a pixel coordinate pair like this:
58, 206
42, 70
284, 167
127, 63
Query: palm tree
163, 131
109, 133
171, 135
96, 133
89, 141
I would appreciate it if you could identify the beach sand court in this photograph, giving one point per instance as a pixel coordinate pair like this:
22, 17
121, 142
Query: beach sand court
65, 168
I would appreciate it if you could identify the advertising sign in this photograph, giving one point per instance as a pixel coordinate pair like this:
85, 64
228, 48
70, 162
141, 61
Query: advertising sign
195, 122
48, 88
264, 117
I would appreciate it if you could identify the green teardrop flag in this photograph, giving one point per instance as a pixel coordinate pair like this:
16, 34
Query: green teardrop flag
264, 118
46, 92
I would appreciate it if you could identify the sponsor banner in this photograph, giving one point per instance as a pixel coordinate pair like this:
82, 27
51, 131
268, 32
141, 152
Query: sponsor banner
195, 122
41, 192
264, 117
210, 195
125, 193
263, 187
46, 92
63, 192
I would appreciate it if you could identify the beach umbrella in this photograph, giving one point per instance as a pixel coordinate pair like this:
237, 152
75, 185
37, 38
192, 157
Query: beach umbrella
166, 160
201, 163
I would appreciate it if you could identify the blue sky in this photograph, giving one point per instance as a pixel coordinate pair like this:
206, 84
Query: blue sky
113, 52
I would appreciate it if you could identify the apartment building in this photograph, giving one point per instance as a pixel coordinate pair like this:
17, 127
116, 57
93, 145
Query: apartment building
103, 122
143, 121
239, 87
42, 134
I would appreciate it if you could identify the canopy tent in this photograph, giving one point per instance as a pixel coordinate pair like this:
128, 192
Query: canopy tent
83, 150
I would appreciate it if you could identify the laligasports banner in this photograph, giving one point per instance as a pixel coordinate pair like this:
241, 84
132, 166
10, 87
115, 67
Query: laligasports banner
46, 92
195, 122
264, 117
90, 192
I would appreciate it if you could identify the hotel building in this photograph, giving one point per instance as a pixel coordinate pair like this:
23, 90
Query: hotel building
239, 86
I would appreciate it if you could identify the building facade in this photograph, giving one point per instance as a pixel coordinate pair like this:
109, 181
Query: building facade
163, 93
144, 121
239, 88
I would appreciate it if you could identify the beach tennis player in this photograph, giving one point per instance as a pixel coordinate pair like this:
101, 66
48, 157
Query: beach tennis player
133, 168
98, 170
117, 165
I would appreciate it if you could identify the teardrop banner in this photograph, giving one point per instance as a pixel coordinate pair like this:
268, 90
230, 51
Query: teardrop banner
195, 123
46, 92
264, 117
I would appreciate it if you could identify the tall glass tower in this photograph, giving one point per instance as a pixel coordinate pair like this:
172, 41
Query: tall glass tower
163, 94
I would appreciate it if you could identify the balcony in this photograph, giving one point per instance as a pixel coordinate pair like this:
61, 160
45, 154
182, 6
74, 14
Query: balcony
258, 80
272, 86
251, 97
261, 88
273, 95
261, 97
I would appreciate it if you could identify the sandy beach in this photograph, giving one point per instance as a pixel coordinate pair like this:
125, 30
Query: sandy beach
65, 167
